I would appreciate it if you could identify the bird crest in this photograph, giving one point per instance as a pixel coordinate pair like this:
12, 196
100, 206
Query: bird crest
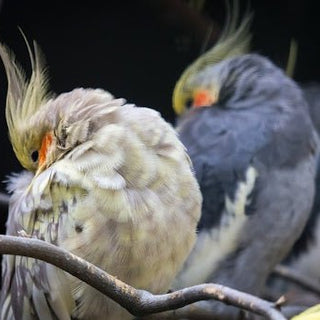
233, 41
24, 96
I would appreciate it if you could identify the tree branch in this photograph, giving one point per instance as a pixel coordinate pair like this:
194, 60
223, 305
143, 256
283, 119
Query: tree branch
297, 278
137, 302
203, 310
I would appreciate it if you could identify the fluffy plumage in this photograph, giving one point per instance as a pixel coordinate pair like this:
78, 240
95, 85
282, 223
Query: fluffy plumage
254, 150
305, 253
108, 181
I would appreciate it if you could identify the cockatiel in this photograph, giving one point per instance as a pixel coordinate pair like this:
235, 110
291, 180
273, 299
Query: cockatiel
106, 180
253, 147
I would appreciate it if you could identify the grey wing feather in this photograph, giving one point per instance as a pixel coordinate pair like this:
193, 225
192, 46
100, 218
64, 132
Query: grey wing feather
26, 289
220, 161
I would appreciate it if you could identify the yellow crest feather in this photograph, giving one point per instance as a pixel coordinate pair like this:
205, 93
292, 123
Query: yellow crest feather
292, 58
234, 41
24, 96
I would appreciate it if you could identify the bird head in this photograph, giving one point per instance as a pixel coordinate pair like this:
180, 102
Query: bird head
43, 128
196, 88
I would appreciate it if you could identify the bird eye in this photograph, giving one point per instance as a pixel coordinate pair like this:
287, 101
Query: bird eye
189, 103
35, 156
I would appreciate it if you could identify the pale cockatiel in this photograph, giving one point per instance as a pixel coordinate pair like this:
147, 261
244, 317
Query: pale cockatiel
106, 180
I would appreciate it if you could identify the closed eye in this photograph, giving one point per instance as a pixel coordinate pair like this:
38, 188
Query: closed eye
35, 156
189, 103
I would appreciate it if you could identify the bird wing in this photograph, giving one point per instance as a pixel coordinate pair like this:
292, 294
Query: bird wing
244, 162
227, 179
29, 289
220, 162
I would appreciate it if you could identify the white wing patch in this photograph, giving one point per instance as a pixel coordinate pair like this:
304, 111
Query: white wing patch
214, 245
241, 198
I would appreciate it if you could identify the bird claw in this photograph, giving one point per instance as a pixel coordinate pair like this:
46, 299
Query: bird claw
22, 233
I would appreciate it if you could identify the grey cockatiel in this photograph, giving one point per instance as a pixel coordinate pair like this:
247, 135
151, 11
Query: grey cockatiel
253, 146
106, 180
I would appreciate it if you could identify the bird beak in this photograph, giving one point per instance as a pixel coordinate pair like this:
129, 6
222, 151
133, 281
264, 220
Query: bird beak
43, 153
203, 98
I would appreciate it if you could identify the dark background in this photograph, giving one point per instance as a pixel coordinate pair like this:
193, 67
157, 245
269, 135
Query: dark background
138, 49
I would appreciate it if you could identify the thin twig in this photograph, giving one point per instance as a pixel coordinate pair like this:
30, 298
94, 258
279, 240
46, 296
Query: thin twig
199, 310
203, 310
137, 302
297, 278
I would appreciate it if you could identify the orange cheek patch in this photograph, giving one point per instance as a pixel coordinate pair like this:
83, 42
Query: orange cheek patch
46, 142
203, 98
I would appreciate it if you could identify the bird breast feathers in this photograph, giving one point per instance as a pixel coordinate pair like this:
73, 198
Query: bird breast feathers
118, 155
